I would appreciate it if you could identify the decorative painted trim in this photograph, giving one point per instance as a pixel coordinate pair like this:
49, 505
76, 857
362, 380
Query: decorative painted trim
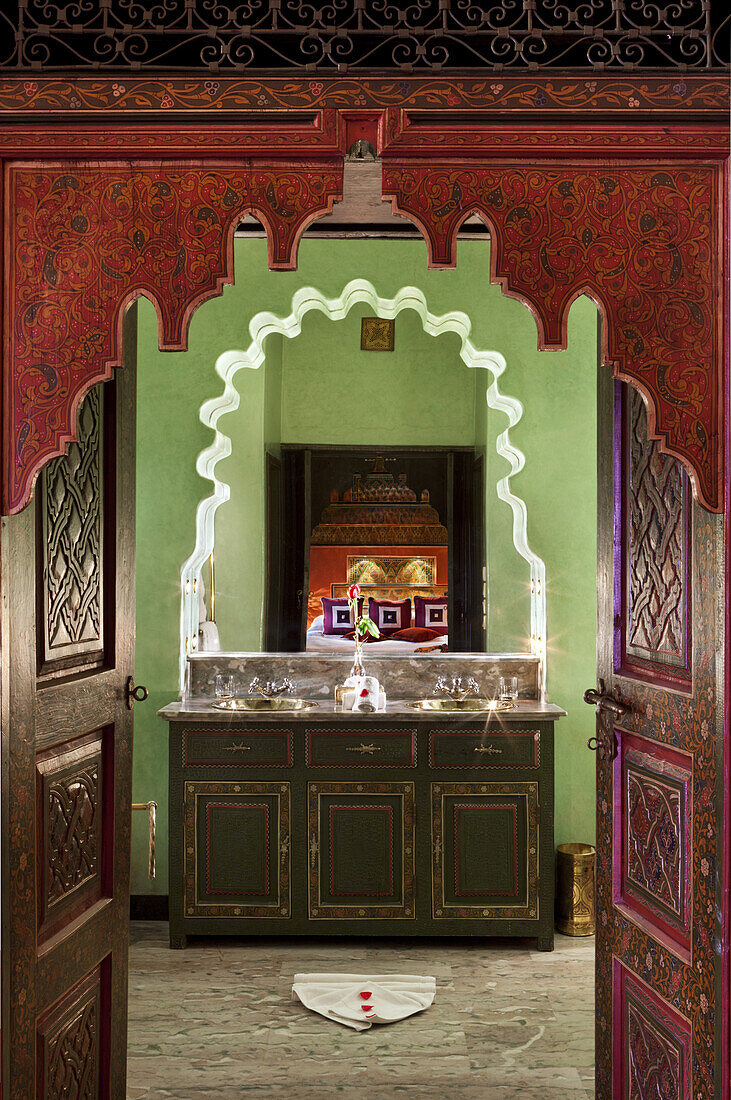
645, 243
360, 759
665, 1041
667, 772
406, 910
689, 725
192, 790
86, 240
441, 909
230, 363
487, 760
165, 97
238, 762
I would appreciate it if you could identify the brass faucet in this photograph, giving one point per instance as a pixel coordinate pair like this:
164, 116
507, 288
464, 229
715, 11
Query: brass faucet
455, 690
270, 688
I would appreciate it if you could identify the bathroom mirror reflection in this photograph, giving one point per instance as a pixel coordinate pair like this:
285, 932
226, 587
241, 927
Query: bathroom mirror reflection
335, 464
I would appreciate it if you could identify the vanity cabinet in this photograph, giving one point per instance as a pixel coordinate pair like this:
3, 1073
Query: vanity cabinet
425, 826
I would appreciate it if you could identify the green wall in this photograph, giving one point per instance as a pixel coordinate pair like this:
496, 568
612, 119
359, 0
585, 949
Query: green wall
421, 393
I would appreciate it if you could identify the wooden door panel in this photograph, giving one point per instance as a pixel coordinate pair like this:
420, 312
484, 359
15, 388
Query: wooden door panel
654, 568
68, 633
72, 625
485, 846
658, 781
74, 787
653, 1048
72, 1038
653, 835
361, 850
237, 849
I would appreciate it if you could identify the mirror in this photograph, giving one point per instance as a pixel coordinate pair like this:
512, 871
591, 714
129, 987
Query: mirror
346, 465
295, 415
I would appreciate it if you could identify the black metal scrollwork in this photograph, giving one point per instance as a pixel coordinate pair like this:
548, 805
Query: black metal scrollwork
346, 35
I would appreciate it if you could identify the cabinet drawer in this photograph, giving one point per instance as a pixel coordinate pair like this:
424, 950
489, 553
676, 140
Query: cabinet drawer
481, 748
237, 748
372, 748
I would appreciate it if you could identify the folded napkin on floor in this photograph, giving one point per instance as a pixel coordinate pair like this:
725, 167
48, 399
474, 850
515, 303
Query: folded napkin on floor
359, 1000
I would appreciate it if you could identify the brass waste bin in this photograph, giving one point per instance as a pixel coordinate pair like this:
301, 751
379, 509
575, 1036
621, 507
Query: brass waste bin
575, 889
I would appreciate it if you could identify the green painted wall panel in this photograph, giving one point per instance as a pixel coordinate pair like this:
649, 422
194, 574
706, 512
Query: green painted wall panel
420, 393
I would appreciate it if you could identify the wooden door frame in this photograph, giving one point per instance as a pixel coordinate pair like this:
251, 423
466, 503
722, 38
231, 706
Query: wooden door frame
96, 169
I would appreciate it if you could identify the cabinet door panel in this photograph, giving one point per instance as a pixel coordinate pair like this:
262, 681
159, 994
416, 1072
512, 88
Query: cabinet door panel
236, 849
485, 850
361, 850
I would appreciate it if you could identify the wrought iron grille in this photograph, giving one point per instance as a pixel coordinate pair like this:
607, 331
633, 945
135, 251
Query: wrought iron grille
353, 35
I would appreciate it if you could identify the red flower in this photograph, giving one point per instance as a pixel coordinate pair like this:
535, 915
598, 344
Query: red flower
353, 592
363, 693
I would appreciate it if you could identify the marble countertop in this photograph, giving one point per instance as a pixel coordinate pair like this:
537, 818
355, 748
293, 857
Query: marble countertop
203, 710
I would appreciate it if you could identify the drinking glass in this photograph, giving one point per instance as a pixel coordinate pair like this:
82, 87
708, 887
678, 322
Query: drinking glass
224, 685
508, 687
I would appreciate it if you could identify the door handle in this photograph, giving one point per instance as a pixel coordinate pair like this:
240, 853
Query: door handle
609, 710
134, 693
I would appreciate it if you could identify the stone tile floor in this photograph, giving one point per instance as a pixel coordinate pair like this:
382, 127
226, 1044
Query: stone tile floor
215, 1022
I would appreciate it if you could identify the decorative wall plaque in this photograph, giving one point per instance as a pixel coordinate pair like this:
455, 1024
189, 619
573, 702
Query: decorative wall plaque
377, 334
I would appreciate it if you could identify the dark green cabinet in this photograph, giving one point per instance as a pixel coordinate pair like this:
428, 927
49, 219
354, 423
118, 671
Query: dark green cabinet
361, 851
366, 827
485, 839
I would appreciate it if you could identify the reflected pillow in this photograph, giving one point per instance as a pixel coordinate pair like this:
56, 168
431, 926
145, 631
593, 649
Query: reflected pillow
416, 634
336, 616
390, 615
431, 613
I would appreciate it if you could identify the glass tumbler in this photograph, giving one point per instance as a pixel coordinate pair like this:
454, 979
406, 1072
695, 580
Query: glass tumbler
224, 685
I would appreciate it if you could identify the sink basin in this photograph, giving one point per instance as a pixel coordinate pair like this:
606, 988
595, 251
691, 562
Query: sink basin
473, 703
261, 704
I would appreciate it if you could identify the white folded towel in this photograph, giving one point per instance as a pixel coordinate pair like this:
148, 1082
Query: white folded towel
360, 1000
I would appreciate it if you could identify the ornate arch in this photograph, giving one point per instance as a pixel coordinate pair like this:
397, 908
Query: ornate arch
85, 241
644, 242
628, 212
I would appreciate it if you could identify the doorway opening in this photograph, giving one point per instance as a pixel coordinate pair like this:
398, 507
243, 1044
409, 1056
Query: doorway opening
556, 434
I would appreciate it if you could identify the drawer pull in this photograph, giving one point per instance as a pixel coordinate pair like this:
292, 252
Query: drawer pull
314, 850
491, 750
364, 750
237, 748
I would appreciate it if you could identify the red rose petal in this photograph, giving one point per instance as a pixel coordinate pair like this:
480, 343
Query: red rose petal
366, 996
363, 693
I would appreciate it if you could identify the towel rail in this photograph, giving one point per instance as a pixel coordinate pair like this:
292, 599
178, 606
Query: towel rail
151, 808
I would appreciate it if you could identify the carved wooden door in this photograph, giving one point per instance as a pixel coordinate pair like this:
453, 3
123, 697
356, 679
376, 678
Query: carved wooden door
67, 572
658, 791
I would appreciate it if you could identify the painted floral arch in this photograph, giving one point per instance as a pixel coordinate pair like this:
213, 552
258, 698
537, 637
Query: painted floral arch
633, 217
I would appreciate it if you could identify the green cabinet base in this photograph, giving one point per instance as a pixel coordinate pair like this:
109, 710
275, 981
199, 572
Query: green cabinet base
425, 828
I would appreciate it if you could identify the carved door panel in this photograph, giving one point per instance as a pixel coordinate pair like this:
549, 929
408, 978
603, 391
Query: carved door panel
361, 850
658, 784
67, 573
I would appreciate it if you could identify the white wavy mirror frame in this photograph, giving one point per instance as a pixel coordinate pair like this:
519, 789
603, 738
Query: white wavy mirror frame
231, 362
